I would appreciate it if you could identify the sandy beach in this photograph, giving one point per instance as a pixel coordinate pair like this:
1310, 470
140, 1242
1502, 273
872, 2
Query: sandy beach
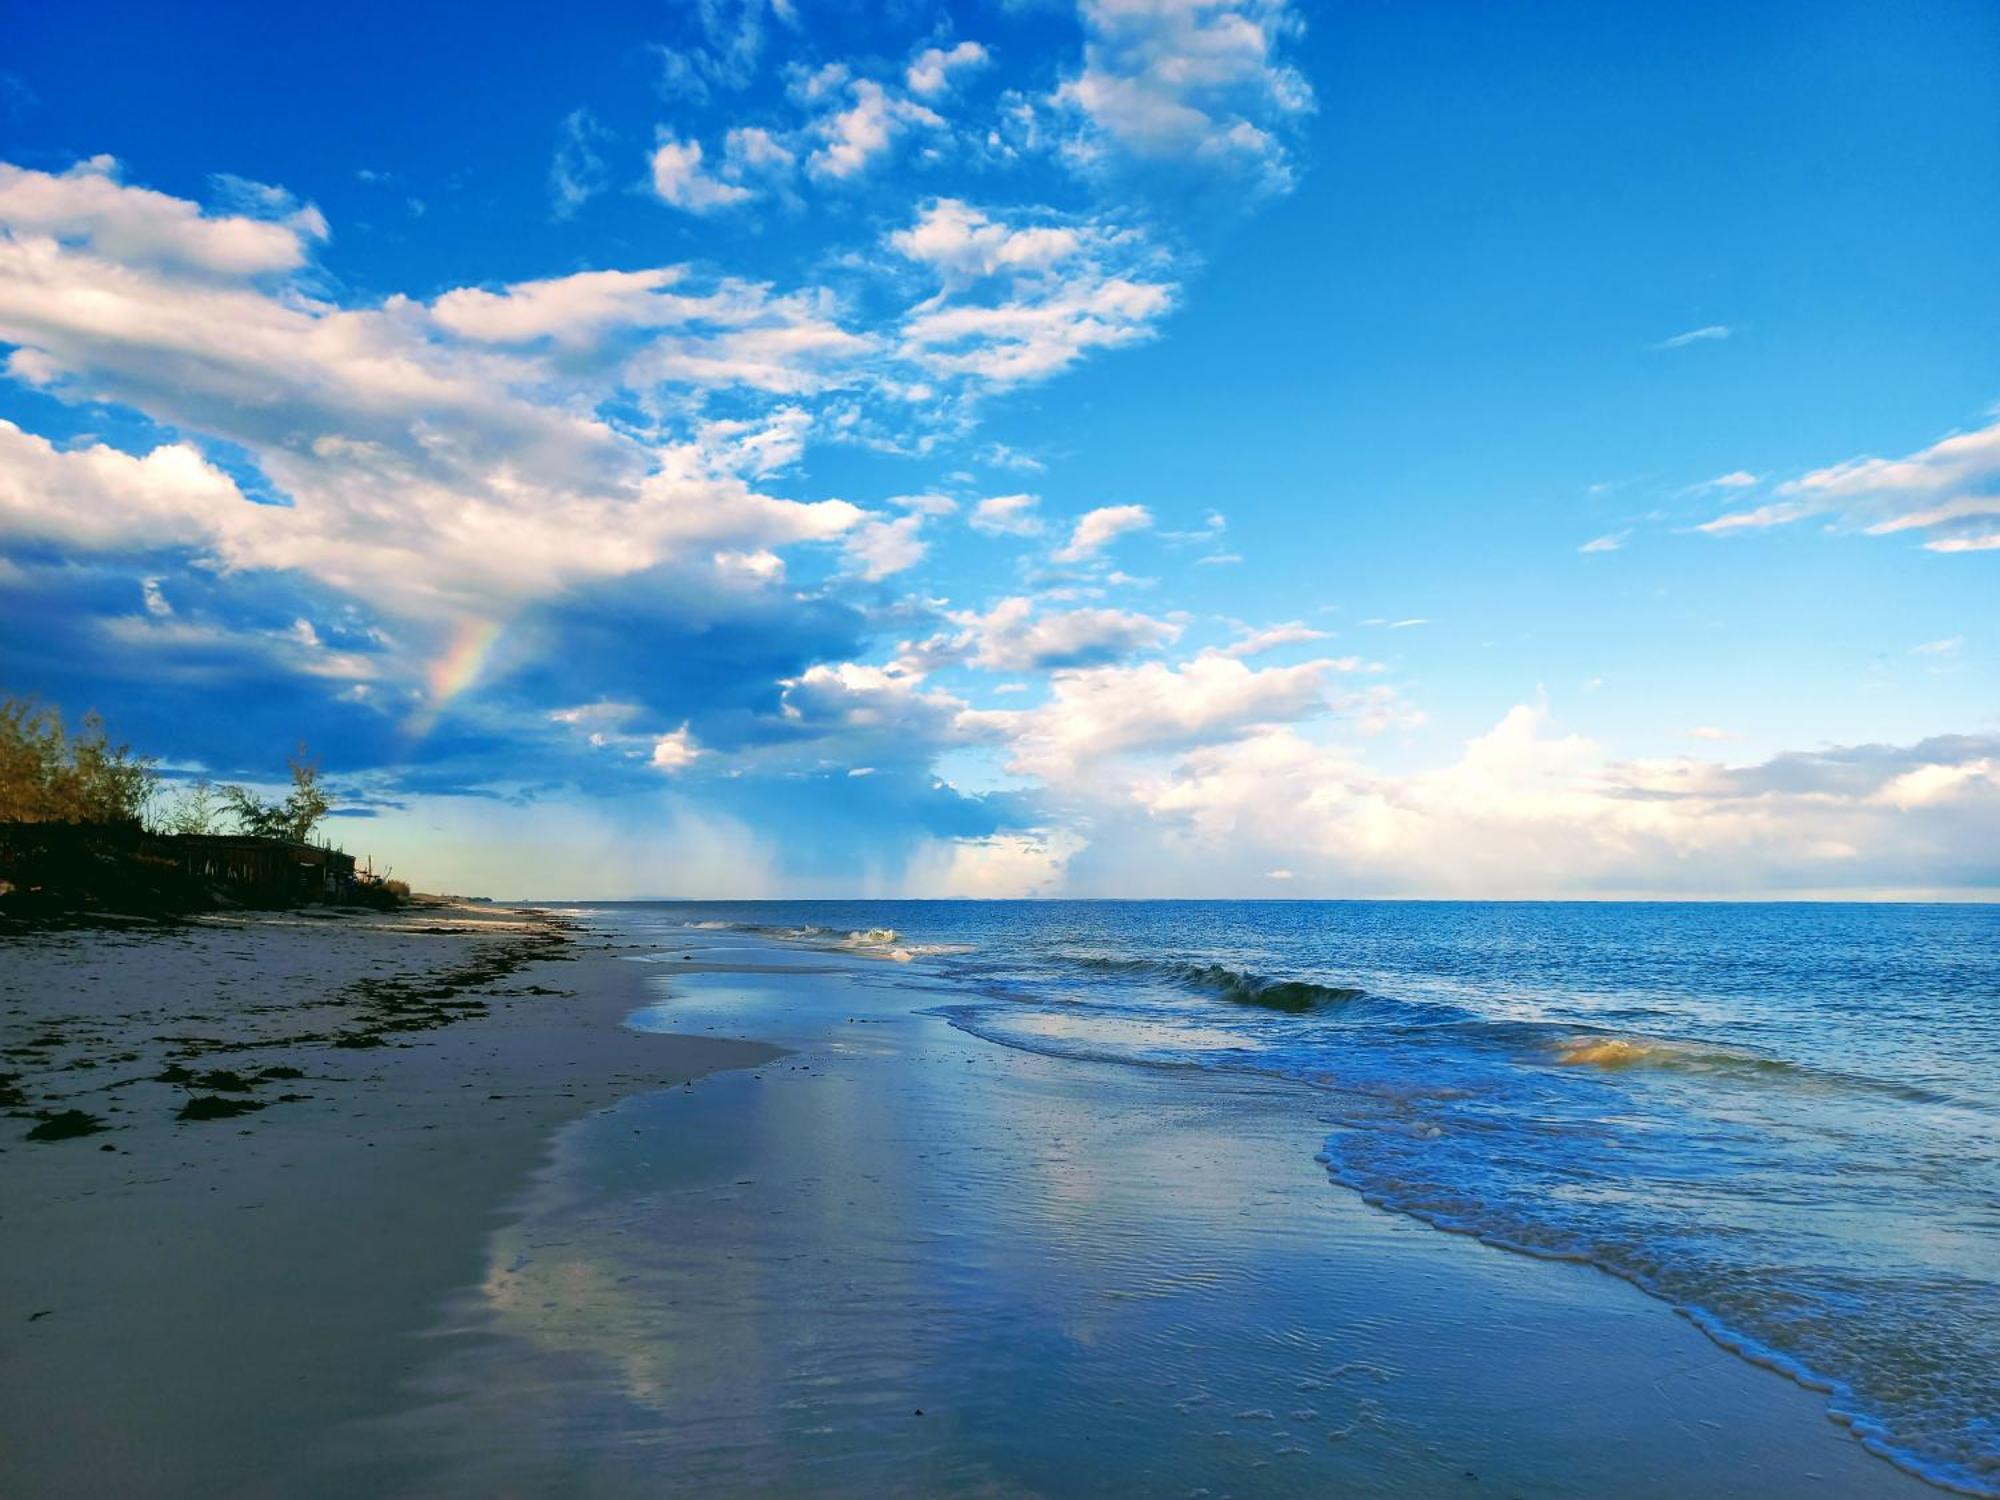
192, 1310
527, 1249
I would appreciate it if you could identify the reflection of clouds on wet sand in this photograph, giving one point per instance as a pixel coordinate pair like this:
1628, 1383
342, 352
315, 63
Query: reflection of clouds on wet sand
1084, 1276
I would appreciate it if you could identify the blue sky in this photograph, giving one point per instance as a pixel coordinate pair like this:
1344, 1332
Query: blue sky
1152, 447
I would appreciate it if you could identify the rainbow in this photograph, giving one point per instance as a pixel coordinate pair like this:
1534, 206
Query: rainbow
464, 658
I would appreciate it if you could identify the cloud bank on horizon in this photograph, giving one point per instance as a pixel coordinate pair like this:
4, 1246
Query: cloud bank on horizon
756, 519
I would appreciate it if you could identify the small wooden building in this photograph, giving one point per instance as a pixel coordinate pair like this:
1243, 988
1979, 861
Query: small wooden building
273, 870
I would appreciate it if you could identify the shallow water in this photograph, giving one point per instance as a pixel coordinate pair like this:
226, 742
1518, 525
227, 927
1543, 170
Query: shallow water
1780, 1119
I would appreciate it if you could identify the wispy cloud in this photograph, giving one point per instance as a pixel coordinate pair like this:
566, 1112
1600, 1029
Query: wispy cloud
578, 173
1711, 333
1948, 493
1006, 515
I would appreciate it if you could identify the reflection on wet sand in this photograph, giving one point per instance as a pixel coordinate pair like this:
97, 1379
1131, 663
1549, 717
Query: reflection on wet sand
902, 1259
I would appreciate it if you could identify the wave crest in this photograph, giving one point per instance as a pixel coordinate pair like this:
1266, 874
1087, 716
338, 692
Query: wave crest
1238, 986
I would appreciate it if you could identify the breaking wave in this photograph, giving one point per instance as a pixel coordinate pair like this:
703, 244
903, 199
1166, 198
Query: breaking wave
1235, 985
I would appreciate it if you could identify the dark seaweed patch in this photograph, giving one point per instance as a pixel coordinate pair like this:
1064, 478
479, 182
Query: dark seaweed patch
66, 1126
215, 1107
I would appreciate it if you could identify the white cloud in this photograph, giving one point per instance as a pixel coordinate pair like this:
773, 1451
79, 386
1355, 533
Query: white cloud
1713, 333
1002, 866
1188, 82
99, 499
1012, 637
1735, 479
89, 205
1256, 642
933, 69
1948, 492
926, 504
1710, 732
1602, 544
750, 150
431, 468
1945, 647
1098, 528
881, 547
1006, 515
674, 753
1038, 334
573, 309
1523, 811
678, 179
1779, 513
957, 238
869, 715
577, 173
851, 139
1108, 711
1026, 298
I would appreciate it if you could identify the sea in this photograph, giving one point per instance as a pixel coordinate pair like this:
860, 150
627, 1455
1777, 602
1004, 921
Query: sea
1781, 1119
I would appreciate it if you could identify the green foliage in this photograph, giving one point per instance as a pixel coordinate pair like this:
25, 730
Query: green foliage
295, 818
50, 775
197, 808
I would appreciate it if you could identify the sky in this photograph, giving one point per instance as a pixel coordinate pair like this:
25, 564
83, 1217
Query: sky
1143, 448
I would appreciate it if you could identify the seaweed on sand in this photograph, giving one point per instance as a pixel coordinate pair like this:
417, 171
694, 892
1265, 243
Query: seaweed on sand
215, 1107
66, 1126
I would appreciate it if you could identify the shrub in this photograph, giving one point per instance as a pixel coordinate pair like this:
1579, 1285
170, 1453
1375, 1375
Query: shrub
50, 775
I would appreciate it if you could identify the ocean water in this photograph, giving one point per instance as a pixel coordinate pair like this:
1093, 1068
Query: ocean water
1783, 1120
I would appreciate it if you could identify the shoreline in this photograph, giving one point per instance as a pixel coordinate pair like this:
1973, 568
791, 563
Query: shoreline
434, 1255
1081, 1276
218, 1296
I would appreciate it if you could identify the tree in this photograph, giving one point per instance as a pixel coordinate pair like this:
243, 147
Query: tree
48, 775
308, 802
195, 810
295, 817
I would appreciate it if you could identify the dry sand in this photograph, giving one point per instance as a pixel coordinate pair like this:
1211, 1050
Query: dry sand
195, 1309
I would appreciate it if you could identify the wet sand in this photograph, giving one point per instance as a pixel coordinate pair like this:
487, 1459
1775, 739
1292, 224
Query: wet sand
204, 1308
904, 1260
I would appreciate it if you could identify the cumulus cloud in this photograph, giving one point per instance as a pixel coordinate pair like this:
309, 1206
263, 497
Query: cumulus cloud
1149, 708
1197, 82
1097, 529
1526, 811
873, 715
89, 205
955, 237
674, 753
679, 179
1014, 637
1001, 866
882, 546
430, 465
97, 498
932, 71
851, 139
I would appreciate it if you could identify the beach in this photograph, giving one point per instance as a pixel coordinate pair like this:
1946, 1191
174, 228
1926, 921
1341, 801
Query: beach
880, 1254
199, 1309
